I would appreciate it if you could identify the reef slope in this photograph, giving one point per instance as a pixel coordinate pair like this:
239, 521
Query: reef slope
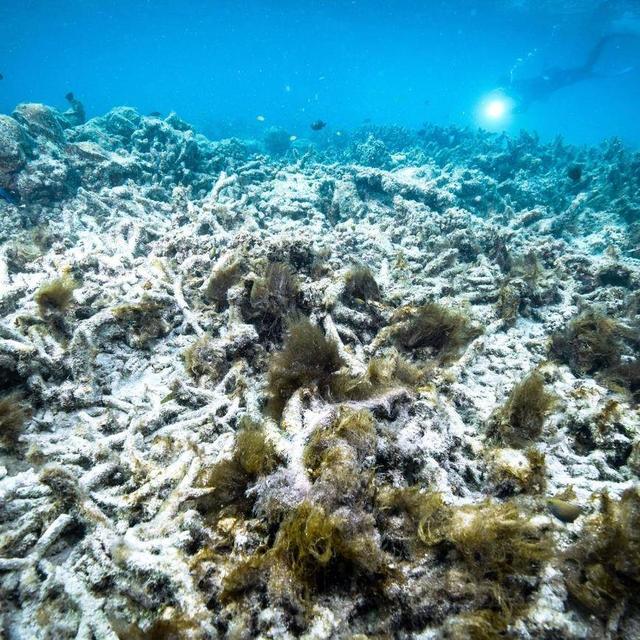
380, 388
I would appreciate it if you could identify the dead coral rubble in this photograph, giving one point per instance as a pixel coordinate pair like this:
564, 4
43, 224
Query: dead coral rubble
305, 394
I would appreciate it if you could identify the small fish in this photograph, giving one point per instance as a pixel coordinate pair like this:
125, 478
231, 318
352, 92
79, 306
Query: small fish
170, 396
1, 77
367, 120
155, 114
318, 124
5, 195
260, 118
338, 133
564, 510
69, 97
575, 172
293, 138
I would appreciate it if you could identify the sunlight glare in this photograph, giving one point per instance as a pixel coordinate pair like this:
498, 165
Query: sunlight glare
496, 109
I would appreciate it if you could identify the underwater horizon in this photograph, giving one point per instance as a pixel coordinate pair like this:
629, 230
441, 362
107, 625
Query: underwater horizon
320, 321
221, 64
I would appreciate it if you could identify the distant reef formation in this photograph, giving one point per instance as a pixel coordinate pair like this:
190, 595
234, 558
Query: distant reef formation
376, 385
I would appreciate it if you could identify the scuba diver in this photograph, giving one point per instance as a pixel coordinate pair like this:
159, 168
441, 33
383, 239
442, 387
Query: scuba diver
526, 91
75, 114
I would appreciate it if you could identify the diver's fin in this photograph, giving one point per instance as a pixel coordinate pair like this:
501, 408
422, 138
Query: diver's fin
620, 72
598, 48
596, 52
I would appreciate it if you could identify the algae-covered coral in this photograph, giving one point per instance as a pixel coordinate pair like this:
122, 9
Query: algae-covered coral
13, 415
308, 357
432, 325
603, 567
591, 342
522, 417
387, 388
55, 296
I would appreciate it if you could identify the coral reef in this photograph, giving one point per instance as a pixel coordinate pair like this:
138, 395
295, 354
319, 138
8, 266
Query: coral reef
382, 385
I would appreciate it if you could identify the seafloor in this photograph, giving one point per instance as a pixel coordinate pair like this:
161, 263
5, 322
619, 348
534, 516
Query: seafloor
381, 387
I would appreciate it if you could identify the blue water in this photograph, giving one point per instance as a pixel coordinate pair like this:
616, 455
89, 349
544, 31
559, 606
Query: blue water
220, 63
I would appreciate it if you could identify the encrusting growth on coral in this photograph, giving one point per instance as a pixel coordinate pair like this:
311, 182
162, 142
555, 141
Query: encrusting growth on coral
144, 320
427, 511
274, 295
603, 566
63, 484
226, 481
381, 374
499, 548
627, 375
512, 471
355, 428
221, 280
328, 542
509, 299
319, 549
170, 625
314, 551
204, 358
